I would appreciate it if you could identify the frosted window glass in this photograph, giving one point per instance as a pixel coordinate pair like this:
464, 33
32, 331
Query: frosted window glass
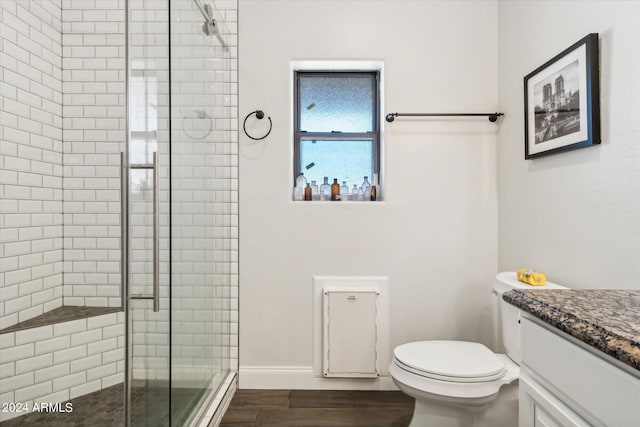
349, 160
343, 103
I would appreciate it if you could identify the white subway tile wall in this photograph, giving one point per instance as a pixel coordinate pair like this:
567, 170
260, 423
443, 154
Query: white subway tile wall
62, 127
204, 200
94, 99
228, 246
31, 159
55, 363
149, 53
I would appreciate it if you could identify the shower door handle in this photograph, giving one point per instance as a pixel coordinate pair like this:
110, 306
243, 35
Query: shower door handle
156, 233
123, 230
155, 296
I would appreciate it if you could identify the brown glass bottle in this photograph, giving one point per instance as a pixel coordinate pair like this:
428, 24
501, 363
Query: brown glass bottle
374, 188
335, 190
307, 192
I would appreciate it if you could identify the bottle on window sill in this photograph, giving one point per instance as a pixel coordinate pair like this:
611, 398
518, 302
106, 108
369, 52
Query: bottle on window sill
374, 188
335, 190
314, 191
298, 191
344, 190
366, 187
354, 193
325, 189
301, 181
307, 192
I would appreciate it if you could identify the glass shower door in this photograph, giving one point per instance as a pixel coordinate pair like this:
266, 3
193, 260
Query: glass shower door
148, 302
180, 217
200, 208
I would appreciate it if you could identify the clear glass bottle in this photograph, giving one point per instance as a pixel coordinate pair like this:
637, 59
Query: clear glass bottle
298, 190
366, 187
354, 192
344, 190
314, 190
325, 189
301, 181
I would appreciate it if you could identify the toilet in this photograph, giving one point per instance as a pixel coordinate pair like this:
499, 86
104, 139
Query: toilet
465, 384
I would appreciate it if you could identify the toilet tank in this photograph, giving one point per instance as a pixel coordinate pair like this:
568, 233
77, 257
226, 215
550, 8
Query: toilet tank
509, 315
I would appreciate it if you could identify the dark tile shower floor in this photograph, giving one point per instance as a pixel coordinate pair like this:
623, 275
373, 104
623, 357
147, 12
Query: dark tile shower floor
101, 408
150, 407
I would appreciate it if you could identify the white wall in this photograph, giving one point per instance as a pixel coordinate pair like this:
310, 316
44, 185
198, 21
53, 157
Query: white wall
434, 235
94, 133
574, 215
30, 159
63, 79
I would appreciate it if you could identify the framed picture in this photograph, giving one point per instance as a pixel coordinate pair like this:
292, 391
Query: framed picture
562, 102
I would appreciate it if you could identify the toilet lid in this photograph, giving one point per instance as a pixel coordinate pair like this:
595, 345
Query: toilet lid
450, 360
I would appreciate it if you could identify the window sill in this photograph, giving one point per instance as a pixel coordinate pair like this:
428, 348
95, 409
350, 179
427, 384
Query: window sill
352, 202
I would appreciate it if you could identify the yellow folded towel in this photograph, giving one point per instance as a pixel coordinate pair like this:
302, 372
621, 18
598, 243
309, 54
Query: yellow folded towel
531, 277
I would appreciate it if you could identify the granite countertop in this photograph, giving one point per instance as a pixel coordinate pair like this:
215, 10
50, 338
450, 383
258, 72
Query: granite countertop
608, 320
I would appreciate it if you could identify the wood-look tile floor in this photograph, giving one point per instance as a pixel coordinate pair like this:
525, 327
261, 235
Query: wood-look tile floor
318, 408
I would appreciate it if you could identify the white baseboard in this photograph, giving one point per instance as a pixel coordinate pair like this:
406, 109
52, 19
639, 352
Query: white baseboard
304, 378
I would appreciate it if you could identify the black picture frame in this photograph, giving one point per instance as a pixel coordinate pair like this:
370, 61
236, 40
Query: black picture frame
562, 101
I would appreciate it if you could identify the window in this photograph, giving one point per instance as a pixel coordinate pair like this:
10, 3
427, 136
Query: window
337, 128
143, 127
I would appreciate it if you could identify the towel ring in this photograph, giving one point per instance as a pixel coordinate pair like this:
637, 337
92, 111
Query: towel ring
200, 114
259, 115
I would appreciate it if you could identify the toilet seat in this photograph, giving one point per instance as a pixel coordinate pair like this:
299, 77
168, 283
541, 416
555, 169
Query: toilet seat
457, 361
462, 383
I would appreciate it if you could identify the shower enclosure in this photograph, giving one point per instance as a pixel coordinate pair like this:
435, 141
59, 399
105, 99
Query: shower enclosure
119, 209
180, 207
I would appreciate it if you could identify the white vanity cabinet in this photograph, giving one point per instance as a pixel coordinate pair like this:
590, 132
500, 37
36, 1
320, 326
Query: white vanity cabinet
565, 383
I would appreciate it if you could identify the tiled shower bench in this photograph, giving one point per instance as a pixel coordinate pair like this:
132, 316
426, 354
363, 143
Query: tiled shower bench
65, 353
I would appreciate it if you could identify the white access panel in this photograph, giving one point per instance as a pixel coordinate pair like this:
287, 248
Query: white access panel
350, 333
